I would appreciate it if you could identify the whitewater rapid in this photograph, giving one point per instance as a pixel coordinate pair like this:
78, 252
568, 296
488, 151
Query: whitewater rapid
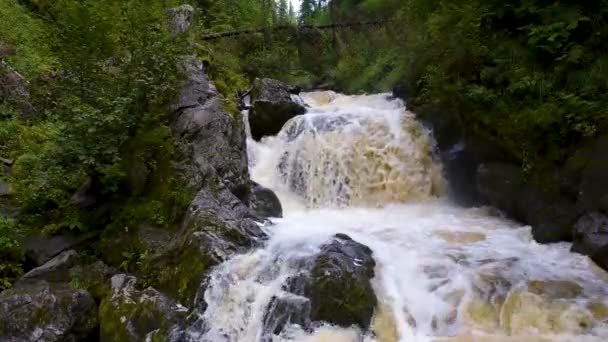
363, 166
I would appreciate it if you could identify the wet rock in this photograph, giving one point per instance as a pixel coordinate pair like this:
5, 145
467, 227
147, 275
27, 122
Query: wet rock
272, 107
179, 19
551, 215
131, 314
460, 238
46, 312
211, 142
555, 289
40, 248
55, 270
285, 309
591, 237
338, 284
264, 202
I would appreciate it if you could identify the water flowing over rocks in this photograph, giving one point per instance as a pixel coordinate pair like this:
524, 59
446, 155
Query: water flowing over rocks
272, 106
480, 171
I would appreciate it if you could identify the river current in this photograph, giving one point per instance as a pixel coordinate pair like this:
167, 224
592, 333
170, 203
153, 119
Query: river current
363, 166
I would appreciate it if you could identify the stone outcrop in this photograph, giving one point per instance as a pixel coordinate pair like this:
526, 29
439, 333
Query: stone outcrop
47, 312
272, 105
180, 19
212, 143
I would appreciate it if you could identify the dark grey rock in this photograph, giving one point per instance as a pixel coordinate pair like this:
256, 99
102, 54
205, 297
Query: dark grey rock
46, 312
137, 315
55, 270
272, 106
550, 214
264, 202
285, 309
40, 248
591, 237
593, 189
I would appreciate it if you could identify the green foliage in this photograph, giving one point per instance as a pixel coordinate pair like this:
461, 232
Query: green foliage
528, 74
102, 115
30, 36
11, 254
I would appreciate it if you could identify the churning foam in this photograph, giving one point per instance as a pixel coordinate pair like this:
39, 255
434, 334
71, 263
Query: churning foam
444, 273
363, 151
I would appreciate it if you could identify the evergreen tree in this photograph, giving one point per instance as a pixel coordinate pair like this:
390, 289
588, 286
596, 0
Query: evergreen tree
283, 12
307, 11
291, 13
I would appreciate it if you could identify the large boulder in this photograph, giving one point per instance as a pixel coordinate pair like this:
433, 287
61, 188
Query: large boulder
550, 214
591, 237
47, 312
335, 287
273, 104
132, 314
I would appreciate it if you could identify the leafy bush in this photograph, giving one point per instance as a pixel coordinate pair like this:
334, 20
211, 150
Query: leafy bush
11, 254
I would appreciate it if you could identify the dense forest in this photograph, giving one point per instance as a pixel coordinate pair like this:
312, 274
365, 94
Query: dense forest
86, 86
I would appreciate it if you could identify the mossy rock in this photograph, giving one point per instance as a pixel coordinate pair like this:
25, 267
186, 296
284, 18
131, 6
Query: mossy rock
47, 312
131, 314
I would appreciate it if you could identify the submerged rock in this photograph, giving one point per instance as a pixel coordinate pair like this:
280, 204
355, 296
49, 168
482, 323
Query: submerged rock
550, 214
272, 107
131, 314
335, 288
47, 312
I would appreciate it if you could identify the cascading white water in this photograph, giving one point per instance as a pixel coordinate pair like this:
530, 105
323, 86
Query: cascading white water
362, 165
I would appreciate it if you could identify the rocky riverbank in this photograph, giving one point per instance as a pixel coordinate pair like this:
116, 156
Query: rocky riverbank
567, 202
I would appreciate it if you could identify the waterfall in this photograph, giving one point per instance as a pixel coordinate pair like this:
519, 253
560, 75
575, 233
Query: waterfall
363, 166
